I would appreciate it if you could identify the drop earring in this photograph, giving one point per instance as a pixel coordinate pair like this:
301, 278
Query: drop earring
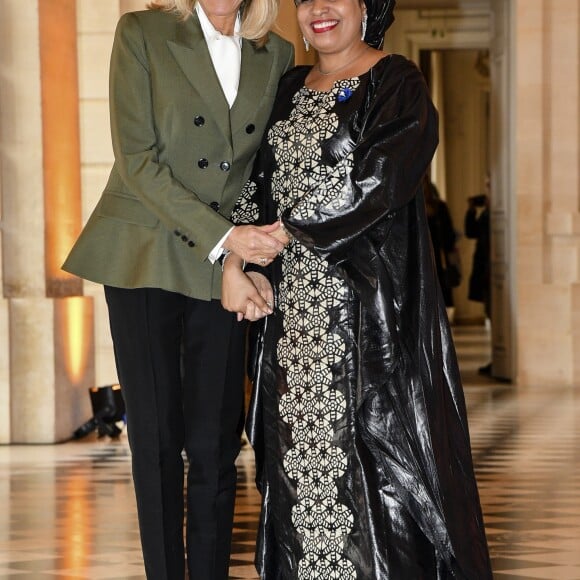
364, 26
306, 44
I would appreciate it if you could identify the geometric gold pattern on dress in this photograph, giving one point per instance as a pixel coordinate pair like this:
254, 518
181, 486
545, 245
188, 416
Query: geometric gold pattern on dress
309, 347
246, 210
297, 143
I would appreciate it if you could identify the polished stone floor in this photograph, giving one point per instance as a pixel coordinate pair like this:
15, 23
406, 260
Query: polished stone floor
67, 511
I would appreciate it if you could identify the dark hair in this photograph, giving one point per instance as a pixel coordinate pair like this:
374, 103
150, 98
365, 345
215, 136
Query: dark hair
379, 18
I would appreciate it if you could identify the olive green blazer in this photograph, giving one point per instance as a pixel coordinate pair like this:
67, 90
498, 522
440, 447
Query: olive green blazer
181, 155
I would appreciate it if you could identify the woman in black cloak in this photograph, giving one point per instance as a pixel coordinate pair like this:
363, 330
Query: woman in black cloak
358, 417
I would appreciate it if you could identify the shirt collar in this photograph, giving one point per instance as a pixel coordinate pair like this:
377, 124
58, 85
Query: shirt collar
209, 32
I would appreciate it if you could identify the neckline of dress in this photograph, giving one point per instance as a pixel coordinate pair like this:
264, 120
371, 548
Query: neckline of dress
334, 85
347, 79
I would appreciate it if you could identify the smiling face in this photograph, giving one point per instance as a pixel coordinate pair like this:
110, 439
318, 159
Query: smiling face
331, 26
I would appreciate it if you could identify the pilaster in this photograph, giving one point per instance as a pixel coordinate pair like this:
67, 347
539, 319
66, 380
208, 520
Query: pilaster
548, 193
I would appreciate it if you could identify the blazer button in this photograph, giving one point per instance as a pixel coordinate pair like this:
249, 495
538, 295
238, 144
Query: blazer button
184, 238
250, 128
225, 166
203, 163
191, 244
177, 232
214, 205
199, 121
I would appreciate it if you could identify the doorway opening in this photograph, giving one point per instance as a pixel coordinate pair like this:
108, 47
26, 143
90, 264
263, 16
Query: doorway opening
467, 57
460, 86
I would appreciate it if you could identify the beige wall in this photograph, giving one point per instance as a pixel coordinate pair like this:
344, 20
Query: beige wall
547, 126
287, 26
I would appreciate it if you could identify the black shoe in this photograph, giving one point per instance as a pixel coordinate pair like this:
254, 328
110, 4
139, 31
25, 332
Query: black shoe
486, 370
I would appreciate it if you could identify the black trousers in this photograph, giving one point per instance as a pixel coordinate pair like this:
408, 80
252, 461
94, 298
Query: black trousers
180, 366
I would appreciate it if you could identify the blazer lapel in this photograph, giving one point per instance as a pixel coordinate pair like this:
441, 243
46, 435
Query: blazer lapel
192, 55
255, 73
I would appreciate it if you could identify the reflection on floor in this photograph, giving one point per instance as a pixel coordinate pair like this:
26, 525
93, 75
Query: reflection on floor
68, 511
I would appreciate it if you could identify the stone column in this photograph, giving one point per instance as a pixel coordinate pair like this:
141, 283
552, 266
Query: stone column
546, 94
4, 334
42, 326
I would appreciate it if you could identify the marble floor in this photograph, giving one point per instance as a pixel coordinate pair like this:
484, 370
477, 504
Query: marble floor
67, 511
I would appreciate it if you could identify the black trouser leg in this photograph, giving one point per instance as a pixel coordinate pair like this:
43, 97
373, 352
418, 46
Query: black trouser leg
171, 354
217, 405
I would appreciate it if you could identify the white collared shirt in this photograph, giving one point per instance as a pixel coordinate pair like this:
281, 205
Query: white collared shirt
228, 73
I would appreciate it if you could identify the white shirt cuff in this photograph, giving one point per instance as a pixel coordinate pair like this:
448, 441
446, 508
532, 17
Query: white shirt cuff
218, 249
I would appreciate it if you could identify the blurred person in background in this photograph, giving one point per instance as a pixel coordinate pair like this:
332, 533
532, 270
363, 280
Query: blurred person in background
477, 227
444, 239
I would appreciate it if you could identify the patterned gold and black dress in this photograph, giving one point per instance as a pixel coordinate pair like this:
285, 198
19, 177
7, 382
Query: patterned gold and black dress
358, 418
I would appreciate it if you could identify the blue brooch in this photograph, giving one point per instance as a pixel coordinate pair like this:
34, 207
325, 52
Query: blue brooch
344, 94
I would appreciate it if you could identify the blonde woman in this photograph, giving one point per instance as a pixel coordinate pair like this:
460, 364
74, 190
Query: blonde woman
191, 89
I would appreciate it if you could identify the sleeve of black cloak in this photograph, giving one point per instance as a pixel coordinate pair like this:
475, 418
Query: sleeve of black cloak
381, 173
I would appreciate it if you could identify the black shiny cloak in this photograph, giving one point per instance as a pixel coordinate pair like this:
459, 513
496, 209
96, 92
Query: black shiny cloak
409, 443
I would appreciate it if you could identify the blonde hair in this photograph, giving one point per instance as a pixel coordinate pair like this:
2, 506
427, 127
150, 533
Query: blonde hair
258, 16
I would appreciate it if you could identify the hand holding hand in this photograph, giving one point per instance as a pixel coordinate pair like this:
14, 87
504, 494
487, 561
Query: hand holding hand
239, 293
255, 244
264, 287
281, 234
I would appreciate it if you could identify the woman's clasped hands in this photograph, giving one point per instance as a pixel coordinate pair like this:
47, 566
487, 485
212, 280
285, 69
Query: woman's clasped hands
250, 294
